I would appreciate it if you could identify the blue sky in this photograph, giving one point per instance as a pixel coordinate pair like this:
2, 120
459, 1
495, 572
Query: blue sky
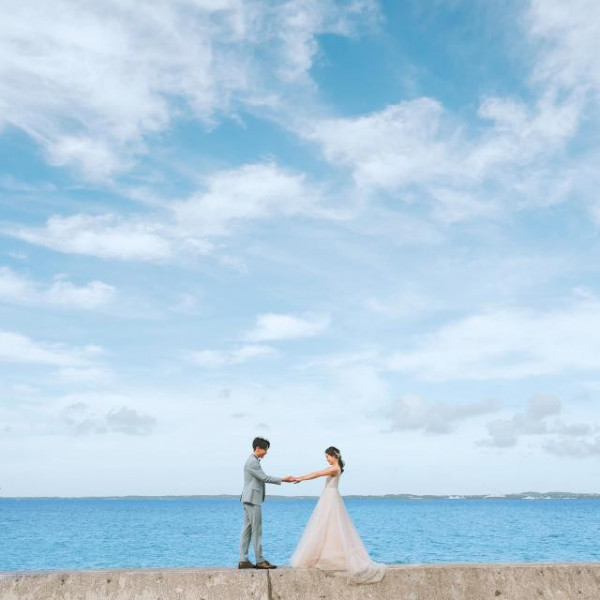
367, 224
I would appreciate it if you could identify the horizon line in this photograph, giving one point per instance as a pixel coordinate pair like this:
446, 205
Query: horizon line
455, 496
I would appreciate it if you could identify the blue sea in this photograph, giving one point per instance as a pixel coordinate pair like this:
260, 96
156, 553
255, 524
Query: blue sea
184, 532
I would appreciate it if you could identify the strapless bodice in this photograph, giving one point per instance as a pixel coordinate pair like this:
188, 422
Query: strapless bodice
332, 482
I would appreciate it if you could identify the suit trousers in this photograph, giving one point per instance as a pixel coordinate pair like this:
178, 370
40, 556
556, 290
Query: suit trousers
252, 530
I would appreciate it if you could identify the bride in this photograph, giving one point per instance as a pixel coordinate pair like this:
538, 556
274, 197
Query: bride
330, 541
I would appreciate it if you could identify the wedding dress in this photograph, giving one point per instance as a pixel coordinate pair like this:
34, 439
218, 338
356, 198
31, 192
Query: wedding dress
330, 541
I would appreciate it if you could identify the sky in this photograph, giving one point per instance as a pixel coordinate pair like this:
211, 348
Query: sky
366, 224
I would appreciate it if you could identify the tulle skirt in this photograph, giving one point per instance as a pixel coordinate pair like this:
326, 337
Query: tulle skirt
330, 542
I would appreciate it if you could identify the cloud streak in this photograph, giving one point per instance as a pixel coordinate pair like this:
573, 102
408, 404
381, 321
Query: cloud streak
417, 146
413, 413
274, 327
89, 82
541, 419
61, 293
105, 236
216, 359
249, 193
184, 230
18, 348
507, 344
81, 419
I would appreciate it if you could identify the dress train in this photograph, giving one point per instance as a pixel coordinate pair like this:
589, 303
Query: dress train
330, 541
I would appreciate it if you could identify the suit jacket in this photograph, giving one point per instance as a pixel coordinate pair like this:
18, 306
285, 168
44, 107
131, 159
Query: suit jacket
254, 481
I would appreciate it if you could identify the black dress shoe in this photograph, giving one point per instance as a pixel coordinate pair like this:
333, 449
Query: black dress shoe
265, 564
246, 564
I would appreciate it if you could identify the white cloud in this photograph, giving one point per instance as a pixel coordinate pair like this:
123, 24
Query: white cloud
416, 144
18, 348
346, 362
106, 73
393, 147
514, 158
507, 344
130, 421
533, 421
18, 255
184, 229
12, 184
541, 419
300, 21
12, 286
271, 327
353, 378
568, 65
90, 81
250, 192
105, 236
63, 294
411, 412
83, 419
574, 448
216, 359
568, 36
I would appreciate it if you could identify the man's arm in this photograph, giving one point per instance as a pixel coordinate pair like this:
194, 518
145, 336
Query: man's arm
257, 472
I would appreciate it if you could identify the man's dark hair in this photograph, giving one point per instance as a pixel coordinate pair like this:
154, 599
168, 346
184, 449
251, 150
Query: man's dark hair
261, 443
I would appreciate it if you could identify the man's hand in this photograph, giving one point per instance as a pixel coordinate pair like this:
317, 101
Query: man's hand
288, 479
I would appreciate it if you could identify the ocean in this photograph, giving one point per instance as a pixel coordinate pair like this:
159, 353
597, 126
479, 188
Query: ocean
89, 533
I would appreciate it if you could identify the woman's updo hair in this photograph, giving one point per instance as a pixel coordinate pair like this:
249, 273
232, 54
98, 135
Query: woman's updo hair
333, 451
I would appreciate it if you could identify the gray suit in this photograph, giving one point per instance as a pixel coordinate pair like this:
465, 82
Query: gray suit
253, 496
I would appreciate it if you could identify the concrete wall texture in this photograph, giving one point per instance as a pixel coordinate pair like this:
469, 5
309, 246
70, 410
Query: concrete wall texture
443, 582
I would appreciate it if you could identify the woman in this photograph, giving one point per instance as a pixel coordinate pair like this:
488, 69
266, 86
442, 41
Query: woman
330, 540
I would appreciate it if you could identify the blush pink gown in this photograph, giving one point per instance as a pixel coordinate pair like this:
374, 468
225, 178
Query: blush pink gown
330, 541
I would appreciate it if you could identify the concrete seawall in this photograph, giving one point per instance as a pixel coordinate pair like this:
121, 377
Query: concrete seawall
447, 582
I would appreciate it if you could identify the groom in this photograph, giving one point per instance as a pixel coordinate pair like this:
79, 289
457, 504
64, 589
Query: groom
252, 497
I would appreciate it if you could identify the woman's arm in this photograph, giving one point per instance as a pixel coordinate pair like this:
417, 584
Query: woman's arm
324, 473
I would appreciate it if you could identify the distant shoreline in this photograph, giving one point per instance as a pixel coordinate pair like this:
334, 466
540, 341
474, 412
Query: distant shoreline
518, 496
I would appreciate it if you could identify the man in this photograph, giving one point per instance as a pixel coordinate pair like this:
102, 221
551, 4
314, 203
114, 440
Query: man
252, 498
